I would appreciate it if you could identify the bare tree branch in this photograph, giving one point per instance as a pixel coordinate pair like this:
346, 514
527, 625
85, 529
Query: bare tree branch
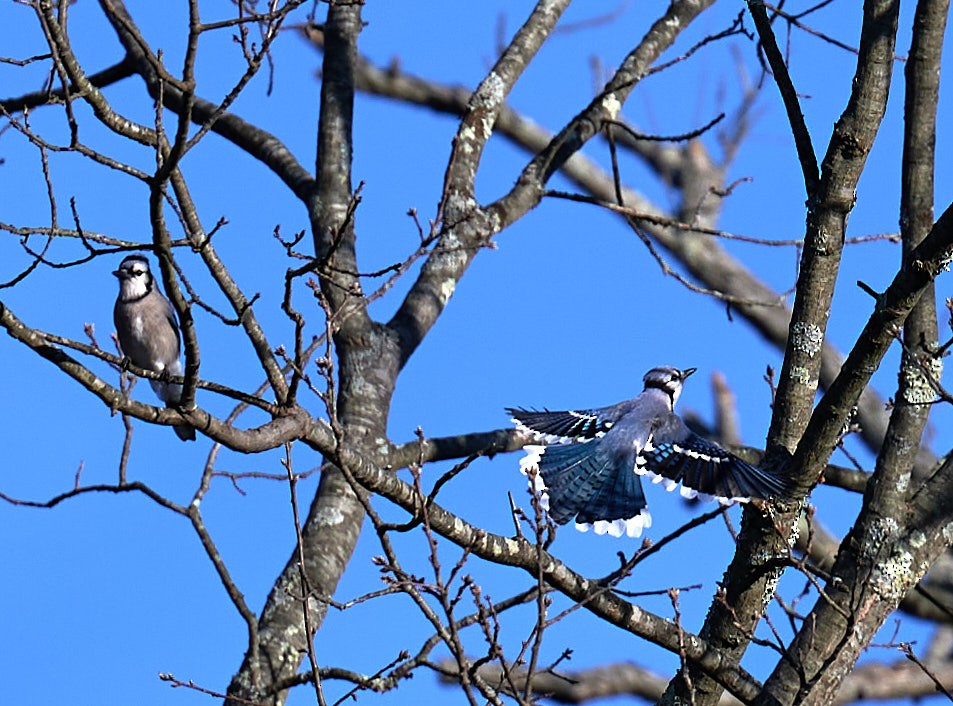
799, 131
466, 227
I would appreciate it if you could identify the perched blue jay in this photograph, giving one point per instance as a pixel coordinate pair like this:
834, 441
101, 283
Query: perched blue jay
589, 463
149, 331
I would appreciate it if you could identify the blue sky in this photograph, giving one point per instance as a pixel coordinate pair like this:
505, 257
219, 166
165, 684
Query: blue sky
106, 591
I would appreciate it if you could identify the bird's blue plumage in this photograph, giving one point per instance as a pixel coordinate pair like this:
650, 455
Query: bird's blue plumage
589, 483
568, 425
589, 462
707, 468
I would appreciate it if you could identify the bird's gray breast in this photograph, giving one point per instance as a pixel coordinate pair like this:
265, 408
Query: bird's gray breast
146, 334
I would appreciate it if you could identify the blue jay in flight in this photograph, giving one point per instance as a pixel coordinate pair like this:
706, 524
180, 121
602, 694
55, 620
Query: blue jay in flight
148, 331
589, 462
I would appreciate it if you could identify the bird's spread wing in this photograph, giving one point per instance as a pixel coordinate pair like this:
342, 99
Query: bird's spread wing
704, 468
563, 426
589, 463
588, 482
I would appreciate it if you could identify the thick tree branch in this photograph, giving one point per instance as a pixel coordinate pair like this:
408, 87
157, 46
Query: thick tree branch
889, 529
869, 580
828, 209
332, 221
465, 226
893, 479
925, 262
367, 374
732, 620
428, 450
868, 682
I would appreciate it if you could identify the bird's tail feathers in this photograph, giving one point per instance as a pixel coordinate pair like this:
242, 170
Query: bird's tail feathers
186, 432
631, 527
168, 392
171, 394
584, 482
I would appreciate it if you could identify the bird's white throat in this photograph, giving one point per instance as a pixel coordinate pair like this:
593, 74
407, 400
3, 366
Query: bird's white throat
135, 287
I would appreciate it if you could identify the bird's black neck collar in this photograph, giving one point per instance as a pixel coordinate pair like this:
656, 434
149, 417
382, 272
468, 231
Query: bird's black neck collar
666, 388
150, 282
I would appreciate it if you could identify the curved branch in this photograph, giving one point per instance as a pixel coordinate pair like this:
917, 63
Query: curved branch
100, 79
293, 424
66, 61
259, 143
466, 227
527, 556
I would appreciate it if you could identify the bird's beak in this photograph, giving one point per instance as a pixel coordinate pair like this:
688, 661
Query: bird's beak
688, 371
117, 273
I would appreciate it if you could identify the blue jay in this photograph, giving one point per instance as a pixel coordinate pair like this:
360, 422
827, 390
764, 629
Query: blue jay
149, 331
589, 462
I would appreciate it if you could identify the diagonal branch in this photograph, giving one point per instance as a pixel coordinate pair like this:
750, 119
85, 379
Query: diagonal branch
891, 481
925, 262
827, 213
527, 556
731, 621
67, 63
869, 580
488, 99
466, 227
802, 137
180, 98
291, 424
